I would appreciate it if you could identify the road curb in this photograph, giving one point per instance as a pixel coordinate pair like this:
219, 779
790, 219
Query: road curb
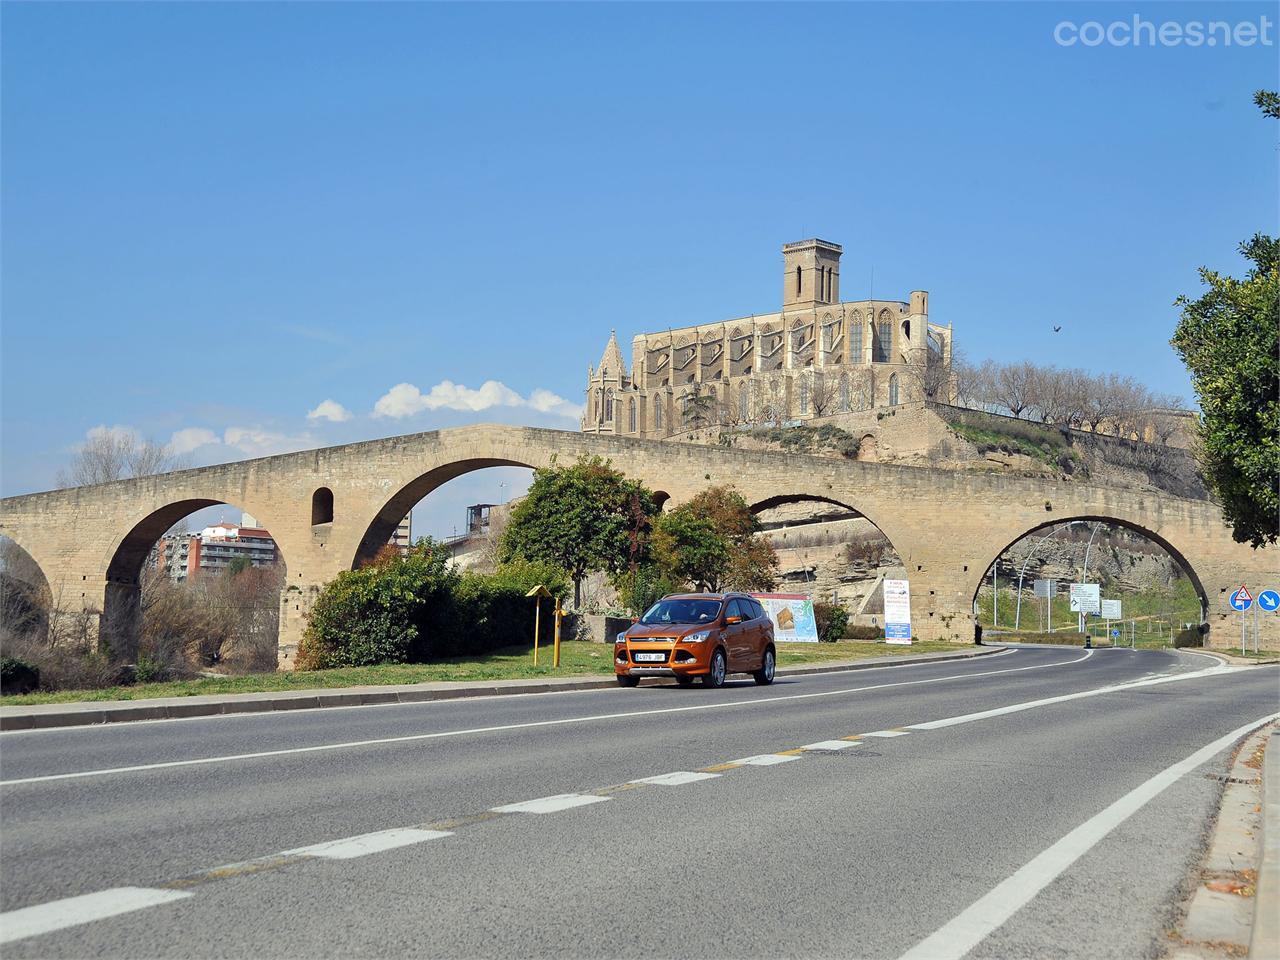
1232, 904
53, 715
1265, 941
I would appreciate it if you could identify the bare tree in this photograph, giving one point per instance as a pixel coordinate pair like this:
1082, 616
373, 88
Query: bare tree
1013, 387
115, 455
824, 395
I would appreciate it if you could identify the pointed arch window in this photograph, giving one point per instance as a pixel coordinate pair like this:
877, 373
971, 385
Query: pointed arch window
657, 413
631, 415
893, 390
799, 282
883, 343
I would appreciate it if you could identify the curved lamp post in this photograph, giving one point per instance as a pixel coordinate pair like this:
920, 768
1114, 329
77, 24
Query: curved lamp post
1017, 616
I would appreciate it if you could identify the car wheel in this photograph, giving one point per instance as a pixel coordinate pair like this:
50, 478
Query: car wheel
764, 676
715, 677
684, 680
628, 681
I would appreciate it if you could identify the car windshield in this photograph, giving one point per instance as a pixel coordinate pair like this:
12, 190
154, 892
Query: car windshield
682, 611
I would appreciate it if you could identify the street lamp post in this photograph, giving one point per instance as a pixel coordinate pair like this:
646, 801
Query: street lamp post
1017, 617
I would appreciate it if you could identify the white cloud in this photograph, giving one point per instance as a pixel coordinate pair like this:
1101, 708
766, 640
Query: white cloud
330, 410
262, 443
191, 438
404, 399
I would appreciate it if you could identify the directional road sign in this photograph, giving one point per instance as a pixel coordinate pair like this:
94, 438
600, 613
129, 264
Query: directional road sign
1269, 600
1240, 600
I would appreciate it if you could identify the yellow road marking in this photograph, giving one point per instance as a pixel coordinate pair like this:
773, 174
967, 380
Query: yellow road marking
719, 767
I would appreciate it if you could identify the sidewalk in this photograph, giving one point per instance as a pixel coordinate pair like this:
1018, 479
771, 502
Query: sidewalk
47, 715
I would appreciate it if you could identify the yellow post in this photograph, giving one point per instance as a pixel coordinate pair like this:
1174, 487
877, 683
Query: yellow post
537, 616
537, 593
555, 660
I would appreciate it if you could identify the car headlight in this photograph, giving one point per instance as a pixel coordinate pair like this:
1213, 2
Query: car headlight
621, 638
699, 637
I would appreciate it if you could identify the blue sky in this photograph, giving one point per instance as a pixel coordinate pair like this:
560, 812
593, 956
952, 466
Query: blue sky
217, 217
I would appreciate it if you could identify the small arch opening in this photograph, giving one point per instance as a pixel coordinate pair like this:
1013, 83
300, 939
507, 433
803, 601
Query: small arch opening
321, 506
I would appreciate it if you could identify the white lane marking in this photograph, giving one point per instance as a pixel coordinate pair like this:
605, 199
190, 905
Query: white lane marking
830, 745
886, 733
561, 801
1098, 691
767, 759
677, 779
351, 847
48, 917
410, 738
956, 938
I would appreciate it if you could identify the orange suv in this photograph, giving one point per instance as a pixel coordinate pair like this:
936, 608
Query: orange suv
691, 635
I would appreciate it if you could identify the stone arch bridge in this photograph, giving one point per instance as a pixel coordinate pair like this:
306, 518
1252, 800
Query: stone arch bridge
329, 509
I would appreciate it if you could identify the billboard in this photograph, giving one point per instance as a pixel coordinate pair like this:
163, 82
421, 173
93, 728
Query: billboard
792, 616
897, 611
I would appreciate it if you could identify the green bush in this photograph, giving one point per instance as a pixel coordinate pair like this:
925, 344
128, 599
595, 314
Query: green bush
489, 611
377, 614
17, 676
832, 621
418, 608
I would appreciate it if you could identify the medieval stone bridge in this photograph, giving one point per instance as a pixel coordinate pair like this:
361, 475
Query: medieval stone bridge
329, 509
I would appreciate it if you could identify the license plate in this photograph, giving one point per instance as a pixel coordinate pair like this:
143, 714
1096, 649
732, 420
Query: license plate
650, 657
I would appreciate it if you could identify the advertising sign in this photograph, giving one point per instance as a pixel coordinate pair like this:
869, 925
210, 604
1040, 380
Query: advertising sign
792, 616
1111, 610
1085, 598
897, 611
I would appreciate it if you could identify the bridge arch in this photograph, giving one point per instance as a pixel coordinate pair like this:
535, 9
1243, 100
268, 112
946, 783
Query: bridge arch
1175, 553
26, 593
378, 530
121, 622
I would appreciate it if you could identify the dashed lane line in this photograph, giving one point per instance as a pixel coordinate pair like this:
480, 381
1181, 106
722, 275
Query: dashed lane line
677, 779
831, 745
74, 911
417, 737
561, 801
367, 843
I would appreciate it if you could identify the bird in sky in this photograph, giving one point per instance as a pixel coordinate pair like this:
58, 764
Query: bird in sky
1056, 329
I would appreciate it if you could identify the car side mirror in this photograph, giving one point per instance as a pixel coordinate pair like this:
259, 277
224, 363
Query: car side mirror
730, 621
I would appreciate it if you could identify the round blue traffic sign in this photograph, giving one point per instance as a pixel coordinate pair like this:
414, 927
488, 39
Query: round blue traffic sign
1240, 600
1269, 600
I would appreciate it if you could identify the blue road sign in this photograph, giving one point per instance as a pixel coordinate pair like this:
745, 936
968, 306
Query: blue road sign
1241, 600
1269, 600
1115, 633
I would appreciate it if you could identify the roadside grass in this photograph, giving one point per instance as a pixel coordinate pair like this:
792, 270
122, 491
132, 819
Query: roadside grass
577, 659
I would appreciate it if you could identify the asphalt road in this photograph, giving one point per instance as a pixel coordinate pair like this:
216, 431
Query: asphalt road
209, 828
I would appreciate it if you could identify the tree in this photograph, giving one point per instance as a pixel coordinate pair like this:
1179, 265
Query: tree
581, 518
1228, 340
714, 541
1268, 101
115, 455
688, 546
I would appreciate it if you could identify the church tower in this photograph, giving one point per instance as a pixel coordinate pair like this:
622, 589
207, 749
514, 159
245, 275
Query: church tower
605, 384
810, 274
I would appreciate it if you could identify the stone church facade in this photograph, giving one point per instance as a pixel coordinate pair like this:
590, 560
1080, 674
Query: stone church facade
816, 357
